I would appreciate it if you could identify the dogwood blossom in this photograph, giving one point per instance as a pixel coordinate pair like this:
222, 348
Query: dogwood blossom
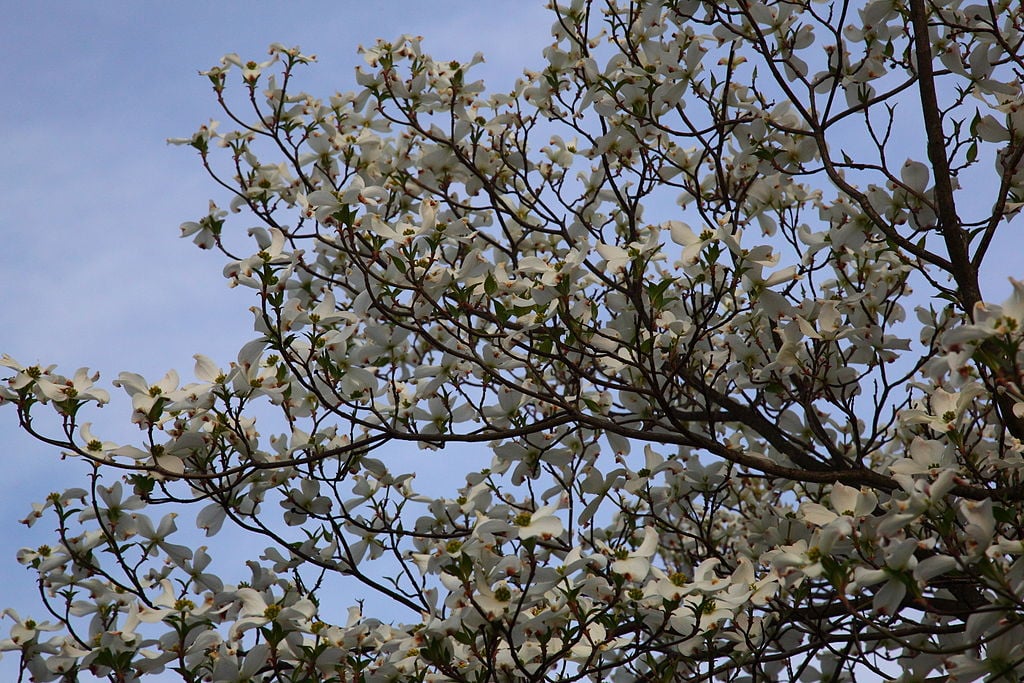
639, 320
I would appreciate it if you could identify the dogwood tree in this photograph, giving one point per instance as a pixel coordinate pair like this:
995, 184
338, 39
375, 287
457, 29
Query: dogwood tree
659, 295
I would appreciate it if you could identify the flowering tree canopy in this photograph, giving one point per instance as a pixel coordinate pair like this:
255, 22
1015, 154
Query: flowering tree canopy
658, 295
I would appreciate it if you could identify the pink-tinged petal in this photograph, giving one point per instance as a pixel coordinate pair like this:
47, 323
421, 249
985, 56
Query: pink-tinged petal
211, 518
649, 545
682, 234
817, 514
843, 498
205, 369
901, 555
869, 577
1014, 306
633, 568
934, 566
915, 175
253, 603
545, 527
889, 597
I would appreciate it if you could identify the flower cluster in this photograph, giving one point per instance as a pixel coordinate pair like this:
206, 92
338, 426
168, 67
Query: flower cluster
658, 291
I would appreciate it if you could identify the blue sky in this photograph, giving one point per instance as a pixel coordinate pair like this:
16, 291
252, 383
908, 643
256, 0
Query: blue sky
94, 272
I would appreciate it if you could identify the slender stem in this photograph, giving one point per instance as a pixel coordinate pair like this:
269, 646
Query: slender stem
956, 238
